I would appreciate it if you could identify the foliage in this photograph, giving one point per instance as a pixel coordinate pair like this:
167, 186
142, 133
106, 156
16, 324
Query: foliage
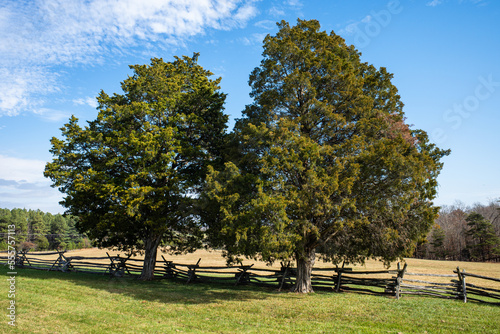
27, 246
132, 175
324, 160
44, 230
42, 243
457, 240
437, 242
484, 243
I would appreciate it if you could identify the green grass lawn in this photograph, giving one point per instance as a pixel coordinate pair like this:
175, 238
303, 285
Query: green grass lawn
54, 302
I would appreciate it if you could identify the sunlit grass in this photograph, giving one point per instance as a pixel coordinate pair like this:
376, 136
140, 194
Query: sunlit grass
54, 302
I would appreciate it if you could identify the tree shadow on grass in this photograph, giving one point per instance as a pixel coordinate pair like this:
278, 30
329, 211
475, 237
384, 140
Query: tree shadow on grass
165, 291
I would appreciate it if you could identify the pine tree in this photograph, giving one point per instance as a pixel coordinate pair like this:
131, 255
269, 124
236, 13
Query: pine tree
484, 243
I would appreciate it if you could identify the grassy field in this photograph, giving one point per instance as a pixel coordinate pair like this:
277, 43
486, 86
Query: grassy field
54, 302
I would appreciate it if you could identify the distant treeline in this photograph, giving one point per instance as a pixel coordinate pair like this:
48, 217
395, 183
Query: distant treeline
37, 230
464, 233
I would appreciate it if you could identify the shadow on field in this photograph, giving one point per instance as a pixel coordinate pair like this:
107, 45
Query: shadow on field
160, 290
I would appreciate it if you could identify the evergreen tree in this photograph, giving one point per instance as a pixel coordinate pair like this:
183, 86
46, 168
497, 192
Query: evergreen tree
20, 218
38, 229
5, 218
132, 176
60, 232
325, 161
484, 243
437, 243
37, 224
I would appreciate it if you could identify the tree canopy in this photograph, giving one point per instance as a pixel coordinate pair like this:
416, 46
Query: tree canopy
323, 161
133, 174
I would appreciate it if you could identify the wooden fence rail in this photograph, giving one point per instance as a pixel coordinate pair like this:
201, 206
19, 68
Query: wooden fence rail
381, 282
426, 286
468, 291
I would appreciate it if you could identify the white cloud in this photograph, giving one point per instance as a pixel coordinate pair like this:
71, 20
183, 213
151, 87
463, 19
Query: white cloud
259, 38
286, 6
244, 13
52, 115
434, 3
22, 185
276, 11
475, 2
245, 41
36, 36
30, 196
21, 87
22, 170
352, 28
266, 24
254, 39
294, 3
89, 101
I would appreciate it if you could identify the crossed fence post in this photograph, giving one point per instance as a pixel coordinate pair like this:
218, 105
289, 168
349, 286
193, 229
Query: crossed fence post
117, 269
242, 276
169, 269
192, 271
62, 263
287, 273
21, 257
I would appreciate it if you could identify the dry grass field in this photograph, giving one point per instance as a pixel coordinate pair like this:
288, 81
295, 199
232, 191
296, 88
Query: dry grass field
215, 258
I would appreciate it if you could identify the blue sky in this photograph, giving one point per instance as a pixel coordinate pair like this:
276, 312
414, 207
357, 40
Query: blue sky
56, 55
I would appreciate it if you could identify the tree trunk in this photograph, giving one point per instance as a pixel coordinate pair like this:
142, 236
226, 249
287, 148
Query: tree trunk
150, 249
305, 263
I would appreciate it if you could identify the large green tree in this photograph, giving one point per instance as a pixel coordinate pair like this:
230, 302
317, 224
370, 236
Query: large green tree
324, 161
132, 175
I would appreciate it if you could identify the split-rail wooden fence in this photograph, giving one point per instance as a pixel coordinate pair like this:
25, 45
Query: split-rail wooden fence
394, 283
